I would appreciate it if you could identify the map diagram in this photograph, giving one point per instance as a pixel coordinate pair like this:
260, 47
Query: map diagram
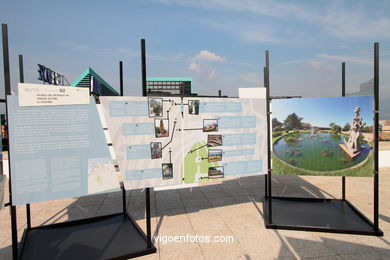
162, 141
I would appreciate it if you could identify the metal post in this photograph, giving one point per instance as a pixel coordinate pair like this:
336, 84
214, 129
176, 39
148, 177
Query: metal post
123, 198
343, 94
143, 64
124, 204
121, 78
343, 79
21, 80
7, 88
219, 93
266, 175
21, 71
147, 190
269, 166
148, 222
376, 136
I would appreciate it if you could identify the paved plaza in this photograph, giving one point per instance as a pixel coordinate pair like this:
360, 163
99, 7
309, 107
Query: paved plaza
228, 208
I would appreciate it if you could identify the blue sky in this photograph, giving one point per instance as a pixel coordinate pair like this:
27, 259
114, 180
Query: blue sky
323, 111
219, 43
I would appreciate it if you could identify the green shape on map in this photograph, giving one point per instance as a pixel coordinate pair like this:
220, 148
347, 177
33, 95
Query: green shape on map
196, 162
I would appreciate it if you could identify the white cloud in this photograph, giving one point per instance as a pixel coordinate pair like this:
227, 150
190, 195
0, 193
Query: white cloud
171, 58
259, 36
194, 67
202, 71
200, 64
321, 65
296, 61
206, 55
357, 60
353, 22
128, 52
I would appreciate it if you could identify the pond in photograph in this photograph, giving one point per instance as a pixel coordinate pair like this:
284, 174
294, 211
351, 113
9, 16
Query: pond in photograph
317, 152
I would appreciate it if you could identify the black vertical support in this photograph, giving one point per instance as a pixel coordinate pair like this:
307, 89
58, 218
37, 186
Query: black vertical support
269, 166
121, 78
343, 79
7, 88
147, 190
376, 136
343, 94
148, 222
21, 71
124, 204
266, 175
143, 64
219, 93
21, 80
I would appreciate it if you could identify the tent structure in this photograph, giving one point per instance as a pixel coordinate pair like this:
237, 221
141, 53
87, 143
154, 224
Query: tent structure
90, 79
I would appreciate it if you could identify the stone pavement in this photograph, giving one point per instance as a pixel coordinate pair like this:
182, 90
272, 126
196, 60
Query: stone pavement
228, 208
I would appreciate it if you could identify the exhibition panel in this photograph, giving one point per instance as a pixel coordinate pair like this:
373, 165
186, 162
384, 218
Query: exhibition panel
223, 137
57, 152
323, 136
164, 141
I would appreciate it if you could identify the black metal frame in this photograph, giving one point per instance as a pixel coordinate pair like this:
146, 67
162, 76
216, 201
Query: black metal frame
17, 250
373, 227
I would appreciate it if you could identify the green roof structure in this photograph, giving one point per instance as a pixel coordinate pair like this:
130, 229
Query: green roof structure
84, 80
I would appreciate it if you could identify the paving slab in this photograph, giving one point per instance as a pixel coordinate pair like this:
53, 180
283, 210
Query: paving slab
226, 208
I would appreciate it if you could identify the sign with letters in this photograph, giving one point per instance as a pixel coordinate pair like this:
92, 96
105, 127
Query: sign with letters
46, 95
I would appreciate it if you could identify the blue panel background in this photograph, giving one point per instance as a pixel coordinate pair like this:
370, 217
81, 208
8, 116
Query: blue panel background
139, 151
138, 129
238, 139
245, 167
128, 108
236, 122
144, 174
240, 152
220, 107
37, 163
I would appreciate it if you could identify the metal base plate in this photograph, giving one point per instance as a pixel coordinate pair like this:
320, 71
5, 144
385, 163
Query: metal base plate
108, 237
320, 215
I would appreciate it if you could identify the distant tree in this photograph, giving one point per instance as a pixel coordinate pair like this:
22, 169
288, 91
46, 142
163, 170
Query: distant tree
293, 121
278, 129
276, 123
331, 124
336, 129
346, 127
306, 125
368, 129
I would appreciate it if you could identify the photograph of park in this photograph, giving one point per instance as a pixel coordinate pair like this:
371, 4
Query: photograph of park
155, 107
323, 136
156, 150
161, 127
167, 171
215, 155
214, 140
193, 107
216, 172
210, 125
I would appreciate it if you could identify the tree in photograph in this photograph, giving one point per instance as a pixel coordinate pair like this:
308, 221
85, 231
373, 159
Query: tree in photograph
156, 106
306, 125
368, 129
336, 129
278, 129
276, 123
347, 127
293, 121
